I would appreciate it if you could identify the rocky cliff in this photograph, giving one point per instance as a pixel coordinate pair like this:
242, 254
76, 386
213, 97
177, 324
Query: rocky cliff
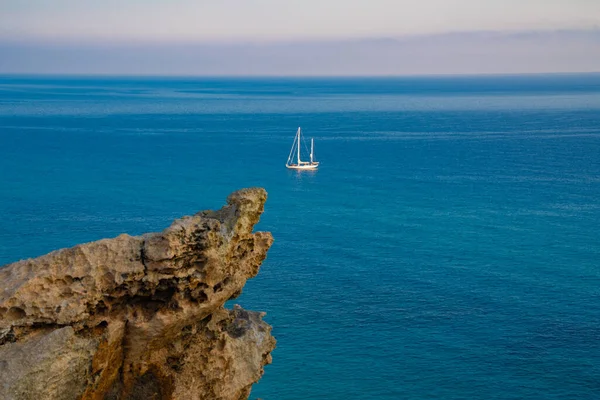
139, 317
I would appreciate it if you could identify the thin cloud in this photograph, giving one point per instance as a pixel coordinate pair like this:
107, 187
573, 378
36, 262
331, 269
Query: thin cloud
458, 53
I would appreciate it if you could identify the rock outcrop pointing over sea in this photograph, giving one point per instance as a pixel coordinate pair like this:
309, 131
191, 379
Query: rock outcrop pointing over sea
139, 317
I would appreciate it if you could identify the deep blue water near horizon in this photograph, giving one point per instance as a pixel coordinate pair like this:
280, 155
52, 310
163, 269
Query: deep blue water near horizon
446, 248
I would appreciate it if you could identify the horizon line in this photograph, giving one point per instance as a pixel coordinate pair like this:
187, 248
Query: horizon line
275, 76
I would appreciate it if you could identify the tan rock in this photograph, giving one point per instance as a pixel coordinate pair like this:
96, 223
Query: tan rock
44, 364
139, 317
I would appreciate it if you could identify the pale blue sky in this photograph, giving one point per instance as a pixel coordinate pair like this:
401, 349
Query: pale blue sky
299, 37
281, 20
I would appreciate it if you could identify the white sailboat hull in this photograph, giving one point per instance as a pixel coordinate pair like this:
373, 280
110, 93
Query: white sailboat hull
303, 166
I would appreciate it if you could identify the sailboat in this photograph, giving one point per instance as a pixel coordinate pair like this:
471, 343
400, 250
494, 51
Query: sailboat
294, 161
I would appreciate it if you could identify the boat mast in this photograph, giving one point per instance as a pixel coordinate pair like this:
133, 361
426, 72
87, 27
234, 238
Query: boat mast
298, 145
312, 146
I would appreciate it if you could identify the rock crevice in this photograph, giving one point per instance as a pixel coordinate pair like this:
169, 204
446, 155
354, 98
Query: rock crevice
139, 316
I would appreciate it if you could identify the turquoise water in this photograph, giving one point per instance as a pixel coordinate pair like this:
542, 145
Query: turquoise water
447, 247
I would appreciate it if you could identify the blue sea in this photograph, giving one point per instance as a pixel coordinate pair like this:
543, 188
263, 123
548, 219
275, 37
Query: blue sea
447, 247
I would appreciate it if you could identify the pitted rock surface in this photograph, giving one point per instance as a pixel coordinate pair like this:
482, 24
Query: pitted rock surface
139, 317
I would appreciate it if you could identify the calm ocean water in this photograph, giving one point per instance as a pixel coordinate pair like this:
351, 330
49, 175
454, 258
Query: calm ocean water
448, 246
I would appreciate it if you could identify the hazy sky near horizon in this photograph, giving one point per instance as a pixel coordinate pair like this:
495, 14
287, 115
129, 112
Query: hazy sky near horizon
298, 37
276, 20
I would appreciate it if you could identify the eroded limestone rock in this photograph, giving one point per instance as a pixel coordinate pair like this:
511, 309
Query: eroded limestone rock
139, 317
